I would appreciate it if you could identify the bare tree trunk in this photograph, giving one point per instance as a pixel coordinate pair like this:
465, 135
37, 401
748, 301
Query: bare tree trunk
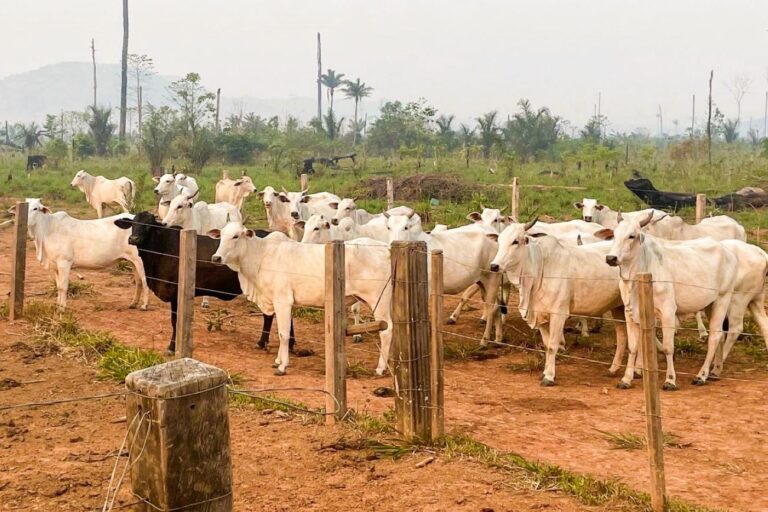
765, 116
354, 139
709, 119
319, 85
93, 58
141, 91
693, 115
124, 73
218, 103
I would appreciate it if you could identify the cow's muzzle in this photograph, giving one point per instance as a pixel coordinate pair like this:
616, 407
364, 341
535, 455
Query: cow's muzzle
587, 218
216, 258
295, 215
494, 267
335, 222
612, 260
157, 192
133, 240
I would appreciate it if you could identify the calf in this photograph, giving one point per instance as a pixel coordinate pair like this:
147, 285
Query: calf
171, 185
348, 208
593, 211
158, 247
100, 191
234, 191
63, 243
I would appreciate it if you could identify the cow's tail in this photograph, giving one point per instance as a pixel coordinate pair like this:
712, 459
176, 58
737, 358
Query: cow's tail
129, 191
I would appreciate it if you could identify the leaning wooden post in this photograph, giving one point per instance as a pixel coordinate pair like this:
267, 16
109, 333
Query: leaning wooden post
18, 262
701, 206
304, 181
514, 212
410, 339
437, 385
178, 430
390, 193
186, 292
335, 330
651, 388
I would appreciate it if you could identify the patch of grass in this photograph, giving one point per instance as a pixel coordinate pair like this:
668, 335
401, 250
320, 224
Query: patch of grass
214, 318
533, 363
312, 315
460, 351
4, 310
369, 425
76, 289
118, 361
267, 401
689, 347
631, 441
358, 370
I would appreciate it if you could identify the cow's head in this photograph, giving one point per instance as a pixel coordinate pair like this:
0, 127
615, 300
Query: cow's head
293, 201
491, 217
232, 246
268, 196
35, 209
317, 230
166, 185
141, 225
79, 178
512, 242
345, 208
179, 209
627, 239
245, 186
403, 227
590, 209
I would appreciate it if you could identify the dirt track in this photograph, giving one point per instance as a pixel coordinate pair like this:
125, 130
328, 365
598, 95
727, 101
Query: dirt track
726, 423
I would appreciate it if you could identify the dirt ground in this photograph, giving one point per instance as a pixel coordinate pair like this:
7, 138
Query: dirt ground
723, 426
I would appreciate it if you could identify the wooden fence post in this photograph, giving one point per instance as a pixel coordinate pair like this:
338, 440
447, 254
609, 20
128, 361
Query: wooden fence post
18, 262
186, 292
390, 193
701, 206
304, 181
178, 430
515, 211
410, 339
335, 330
437, 386
651, 388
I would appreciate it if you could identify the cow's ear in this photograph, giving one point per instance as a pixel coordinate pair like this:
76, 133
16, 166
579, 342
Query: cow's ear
123, 223
599, 206
261, 193
238, 183
578, 206
604, 234
300, 224
304, 199
249, 233
214, 233
165, 203
386, 215
642, 237
511, 219
283, 199
334, 205
493, 236
45, 209
156, 179
474, 217
536, 235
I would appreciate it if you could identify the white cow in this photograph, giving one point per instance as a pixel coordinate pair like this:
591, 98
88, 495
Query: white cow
277, 273
688, 277
348, 208
720, 227
593, 211
100, 191
172, 185
63, 243
234, 191
557, 281
200, 216
491, 217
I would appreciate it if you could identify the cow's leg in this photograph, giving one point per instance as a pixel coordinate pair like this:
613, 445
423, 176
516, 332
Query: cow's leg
62, 282
99, 210
700, 325
266, 327
735, 327
205, 304
283, 314
357, 338
139, 276
292, 339
552, 344
758, 314
717, 316
668, 347
621, 340
633, 340
490, 305
584, 327
465, 297
172, 344
385, 337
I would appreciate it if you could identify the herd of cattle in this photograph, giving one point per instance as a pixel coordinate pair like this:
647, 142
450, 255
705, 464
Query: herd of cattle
582, 268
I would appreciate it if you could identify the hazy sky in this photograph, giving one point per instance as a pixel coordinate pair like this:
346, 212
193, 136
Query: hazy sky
465, 57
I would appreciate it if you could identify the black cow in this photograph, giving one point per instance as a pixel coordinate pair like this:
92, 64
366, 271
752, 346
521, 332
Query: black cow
159, 251
35, 162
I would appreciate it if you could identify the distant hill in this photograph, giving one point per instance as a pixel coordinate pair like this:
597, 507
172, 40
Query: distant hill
31, 95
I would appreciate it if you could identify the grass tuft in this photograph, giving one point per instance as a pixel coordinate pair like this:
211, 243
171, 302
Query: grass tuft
533, 363
75, 289
119, 361
632, 441
689, 347
4, 310
312, 315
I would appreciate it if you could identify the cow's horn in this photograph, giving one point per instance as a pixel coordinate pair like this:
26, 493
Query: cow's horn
645, 221
530, 223
619, 218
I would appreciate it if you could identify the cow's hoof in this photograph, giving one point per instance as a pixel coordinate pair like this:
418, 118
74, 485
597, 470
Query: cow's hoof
713, 377
450, 321
624, 385
279, 372
612, 373
132, 306
144, 307
638, 375
262, 345
205, 305
698, 381
303, 352
547, 383
482, 321
275, 365
170, 353
357, 338
668, 386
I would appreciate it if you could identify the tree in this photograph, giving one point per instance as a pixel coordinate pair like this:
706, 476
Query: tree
56, 150
123, 74
489, 131
331, 127
739, 87
593, 130
141, 67
730, 128
332, 80
101, 129
194, 102
157, 136
29, 136
401, 125
356, 90
531, 131
445, 133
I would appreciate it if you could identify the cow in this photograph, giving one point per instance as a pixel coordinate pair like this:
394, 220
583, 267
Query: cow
277, 273
171, 185
158, 247
720, 227
234, 191
100, 191
491, 217
688, 276
35, 162
593, 211
348, 208
63, 243
558, 281
200, 216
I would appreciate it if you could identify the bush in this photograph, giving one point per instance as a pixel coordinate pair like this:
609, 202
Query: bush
84, 146
56, 151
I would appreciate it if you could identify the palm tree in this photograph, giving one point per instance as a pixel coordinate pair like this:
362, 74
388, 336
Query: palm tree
488, 131
332, 127
356, 90
101, 129
731, 130
444, 131
331, 80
